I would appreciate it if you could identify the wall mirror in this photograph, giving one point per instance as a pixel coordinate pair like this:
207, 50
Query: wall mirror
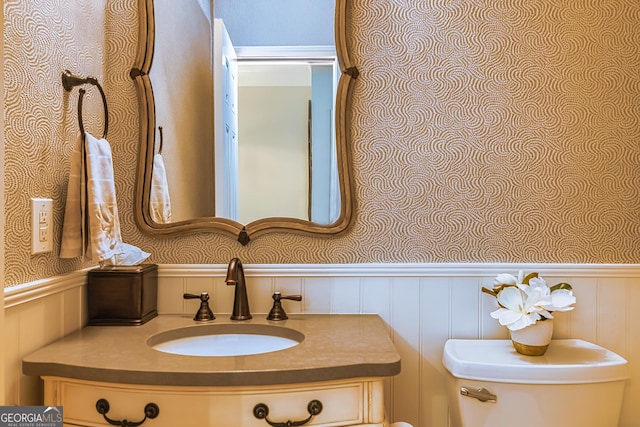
241, 140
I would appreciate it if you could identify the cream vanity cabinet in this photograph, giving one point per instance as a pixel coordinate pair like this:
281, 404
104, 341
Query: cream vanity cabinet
343, 403
334, 376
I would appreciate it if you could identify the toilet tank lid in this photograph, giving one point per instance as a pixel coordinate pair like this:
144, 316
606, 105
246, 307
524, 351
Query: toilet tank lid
567, 361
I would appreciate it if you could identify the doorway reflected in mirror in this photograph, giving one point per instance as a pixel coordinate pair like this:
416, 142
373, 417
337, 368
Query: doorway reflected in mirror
270, 110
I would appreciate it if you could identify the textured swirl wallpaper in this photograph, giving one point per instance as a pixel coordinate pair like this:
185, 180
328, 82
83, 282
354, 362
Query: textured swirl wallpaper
483, 131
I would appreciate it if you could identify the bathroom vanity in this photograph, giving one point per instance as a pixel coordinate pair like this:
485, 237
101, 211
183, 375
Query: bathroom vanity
333, 376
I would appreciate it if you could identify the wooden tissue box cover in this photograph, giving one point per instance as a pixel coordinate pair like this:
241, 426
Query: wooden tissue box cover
122, 295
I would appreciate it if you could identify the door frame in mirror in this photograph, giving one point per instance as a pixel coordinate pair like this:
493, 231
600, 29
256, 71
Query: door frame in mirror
244, 233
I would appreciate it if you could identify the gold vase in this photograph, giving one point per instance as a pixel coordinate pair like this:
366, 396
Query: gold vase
534, 339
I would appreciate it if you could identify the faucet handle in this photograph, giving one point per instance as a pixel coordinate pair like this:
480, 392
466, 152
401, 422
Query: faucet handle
277, 312
204, 313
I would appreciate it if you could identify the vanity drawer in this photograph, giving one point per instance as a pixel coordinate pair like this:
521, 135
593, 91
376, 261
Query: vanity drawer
350, 402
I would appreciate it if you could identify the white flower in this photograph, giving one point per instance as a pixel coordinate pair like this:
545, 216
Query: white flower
561, 300
523, 304
518, 310
505, 279
540, 284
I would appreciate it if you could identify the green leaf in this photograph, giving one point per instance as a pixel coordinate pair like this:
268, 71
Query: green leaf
562, 285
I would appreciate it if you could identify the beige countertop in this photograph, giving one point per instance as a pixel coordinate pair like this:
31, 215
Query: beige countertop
335, 346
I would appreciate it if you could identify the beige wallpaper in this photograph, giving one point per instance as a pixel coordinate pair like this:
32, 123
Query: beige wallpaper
484, 130
42, 39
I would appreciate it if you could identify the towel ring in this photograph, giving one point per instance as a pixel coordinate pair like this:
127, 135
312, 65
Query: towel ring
69, 81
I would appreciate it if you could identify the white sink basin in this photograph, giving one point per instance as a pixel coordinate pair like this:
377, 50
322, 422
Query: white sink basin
225, 340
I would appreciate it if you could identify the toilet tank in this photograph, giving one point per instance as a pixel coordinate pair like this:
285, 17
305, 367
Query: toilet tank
574, 384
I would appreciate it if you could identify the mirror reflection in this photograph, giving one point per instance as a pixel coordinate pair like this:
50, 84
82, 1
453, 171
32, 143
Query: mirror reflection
245, 117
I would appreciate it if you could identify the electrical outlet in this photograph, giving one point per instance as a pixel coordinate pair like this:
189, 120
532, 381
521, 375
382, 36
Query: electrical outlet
41, 234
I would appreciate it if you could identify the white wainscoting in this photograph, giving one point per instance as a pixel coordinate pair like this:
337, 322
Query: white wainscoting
423, 304
36, 314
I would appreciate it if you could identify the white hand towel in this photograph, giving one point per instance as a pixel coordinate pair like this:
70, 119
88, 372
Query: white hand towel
160, 203
102, 209
98, 217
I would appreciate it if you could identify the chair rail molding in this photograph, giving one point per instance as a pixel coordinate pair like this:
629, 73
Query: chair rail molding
403, 270
25, 292
30, 291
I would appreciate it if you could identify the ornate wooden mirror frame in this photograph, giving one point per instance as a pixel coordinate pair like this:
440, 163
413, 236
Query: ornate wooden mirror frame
243, 233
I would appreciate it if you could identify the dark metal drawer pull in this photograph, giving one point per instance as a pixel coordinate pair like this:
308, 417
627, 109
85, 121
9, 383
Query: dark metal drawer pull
151, 410
261, 411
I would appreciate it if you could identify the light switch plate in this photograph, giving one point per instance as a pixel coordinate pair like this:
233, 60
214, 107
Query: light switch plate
41, 225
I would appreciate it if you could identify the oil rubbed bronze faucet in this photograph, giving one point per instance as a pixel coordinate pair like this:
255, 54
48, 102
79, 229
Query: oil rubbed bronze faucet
277, 312
204, 313
235, 276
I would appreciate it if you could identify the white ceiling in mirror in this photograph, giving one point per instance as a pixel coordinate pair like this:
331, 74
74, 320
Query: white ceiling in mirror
278, 22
